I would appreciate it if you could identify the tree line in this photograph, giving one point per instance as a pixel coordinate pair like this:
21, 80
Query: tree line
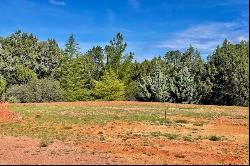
40, 71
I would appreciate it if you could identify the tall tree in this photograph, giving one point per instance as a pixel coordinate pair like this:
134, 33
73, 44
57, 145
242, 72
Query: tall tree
229, 72
116, 56
49, 59
97, 55
155, 87
17, 49
75, 78
182, 86
120, 62
71, 47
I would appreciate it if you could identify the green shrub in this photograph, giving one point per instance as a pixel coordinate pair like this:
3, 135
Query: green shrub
156, 134
13, 99
44, 143
187, 138
131, 91
109, 88
24, 74
214, 138
38, 90
181, 121
171, 136
2, 86
15, 93
199, 123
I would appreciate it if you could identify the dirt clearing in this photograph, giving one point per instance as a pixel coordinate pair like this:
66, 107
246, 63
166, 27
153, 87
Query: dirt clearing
123, 133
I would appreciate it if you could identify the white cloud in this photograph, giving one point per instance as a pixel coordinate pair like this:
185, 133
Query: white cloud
134, 4
57, 2
240, 38
205, 37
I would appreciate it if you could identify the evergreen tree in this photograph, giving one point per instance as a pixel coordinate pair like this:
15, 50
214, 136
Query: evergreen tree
23, 49
49, 59
75, 78
182, 86
155, 87
97, 55
229, 71
71, 47
109, 88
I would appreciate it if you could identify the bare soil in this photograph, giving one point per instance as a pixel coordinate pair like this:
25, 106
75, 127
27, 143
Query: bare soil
119, 146
7, 115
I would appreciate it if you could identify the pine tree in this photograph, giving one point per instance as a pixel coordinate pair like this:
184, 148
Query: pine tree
75, 77
155, 87
229, 71
71, 47
182, 86
109, 88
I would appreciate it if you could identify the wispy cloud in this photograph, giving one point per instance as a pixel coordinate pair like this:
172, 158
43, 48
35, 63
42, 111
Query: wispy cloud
135, 4
57, 2
110, 17
205, 37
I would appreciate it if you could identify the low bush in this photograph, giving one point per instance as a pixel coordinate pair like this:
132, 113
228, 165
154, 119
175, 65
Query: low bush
214, 138
38, 90
2, 86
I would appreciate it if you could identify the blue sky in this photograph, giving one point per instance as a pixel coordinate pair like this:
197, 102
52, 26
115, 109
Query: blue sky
150, 27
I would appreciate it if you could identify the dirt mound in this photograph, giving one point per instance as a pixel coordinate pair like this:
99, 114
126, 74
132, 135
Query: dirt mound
7, 115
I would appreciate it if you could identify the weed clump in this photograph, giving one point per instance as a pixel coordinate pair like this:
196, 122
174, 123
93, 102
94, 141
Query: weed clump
181, 121
198, 123
187, 138
214, 138
168, 135
67, 127
43, 143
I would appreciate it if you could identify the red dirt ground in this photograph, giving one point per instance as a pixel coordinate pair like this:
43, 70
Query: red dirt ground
132, 150
7, 115
27, 151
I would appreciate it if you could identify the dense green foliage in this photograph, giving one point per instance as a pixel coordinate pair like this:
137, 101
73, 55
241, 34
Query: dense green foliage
39, 71
229, 72
109, 88
38, 90
2, 86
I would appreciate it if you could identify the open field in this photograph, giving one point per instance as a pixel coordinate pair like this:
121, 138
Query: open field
123, 133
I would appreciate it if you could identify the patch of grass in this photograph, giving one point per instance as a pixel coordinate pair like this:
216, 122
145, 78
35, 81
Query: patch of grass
102, 138
181, 121
168, 135
206, 115
156, 134
199, 137
44, 143
151, 118
199, 123
67, 127
214, 138
171, 136
187, 138
240, 117
51, 122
